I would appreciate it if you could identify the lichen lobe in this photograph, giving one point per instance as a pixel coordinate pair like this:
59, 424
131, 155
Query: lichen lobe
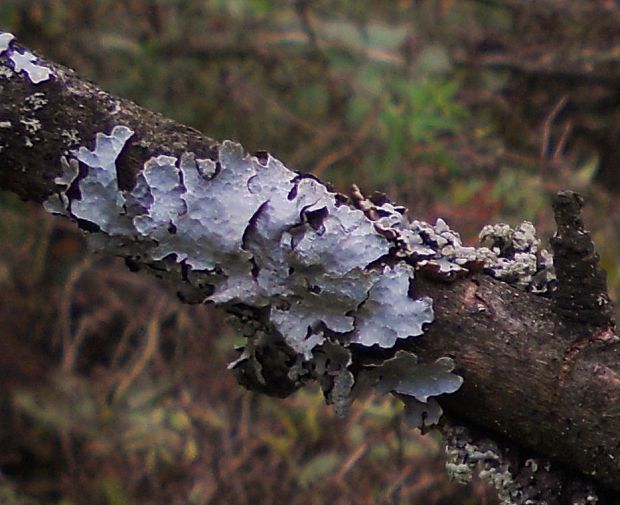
5, 41
23, 60
326, 276
248, 232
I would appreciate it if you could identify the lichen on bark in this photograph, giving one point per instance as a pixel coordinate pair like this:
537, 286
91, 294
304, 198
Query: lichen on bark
317, 270
248, 232
507, 343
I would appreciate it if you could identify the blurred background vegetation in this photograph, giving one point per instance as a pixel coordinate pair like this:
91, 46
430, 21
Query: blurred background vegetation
112, 392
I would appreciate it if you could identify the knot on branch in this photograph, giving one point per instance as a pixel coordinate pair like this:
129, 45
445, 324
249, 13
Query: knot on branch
581, 294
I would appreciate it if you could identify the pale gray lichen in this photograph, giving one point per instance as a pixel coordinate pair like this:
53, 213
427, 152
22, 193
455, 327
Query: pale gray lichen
300, 323
544, 281
249, 234
6, 72
158, 191
416, 384
219, 210
100, 201
32, 125
421, 415
403, 375
58, 203
71, 137
331, 367
343, 241
5, 41
240, 230
389, 313
26, 61
35, 102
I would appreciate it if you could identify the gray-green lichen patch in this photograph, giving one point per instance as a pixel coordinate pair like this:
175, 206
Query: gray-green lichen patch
518, 258
5, 44
512, 255
302, 270
517, 481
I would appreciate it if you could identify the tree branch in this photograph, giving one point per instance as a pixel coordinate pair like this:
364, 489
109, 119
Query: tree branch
342, 290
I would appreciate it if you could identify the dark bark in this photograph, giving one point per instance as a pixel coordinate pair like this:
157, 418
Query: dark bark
550, 385
526, 375
73, 109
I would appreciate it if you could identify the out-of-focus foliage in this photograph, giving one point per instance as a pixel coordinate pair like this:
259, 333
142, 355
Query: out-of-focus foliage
113, 392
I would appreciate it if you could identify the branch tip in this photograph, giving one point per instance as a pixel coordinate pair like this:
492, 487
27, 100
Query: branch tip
581, 295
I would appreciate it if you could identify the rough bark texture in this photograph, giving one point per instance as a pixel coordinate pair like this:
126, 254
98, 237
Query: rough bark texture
528, 374
71, 111
548, 383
